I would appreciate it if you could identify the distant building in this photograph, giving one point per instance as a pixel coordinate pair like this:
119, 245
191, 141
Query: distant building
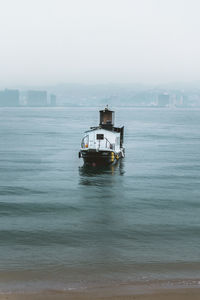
9, 98
163, 100
185, 100
179, 99
36, 98
52, 100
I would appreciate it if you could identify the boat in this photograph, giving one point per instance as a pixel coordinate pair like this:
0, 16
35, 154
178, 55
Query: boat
103, 144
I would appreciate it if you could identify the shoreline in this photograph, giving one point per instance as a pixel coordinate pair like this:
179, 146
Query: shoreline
151, 290
101, 294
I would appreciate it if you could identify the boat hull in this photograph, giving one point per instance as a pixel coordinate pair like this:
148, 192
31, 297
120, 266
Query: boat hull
93, 157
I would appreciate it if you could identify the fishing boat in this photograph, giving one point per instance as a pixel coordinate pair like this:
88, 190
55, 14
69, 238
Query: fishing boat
103, 144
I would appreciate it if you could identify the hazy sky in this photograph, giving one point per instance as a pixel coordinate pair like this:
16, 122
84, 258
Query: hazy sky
99, 41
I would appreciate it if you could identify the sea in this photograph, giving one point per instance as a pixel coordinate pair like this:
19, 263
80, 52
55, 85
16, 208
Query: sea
64, 226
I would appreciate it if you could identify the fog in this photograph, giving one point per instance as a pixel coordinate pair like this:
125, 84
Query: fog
99, 41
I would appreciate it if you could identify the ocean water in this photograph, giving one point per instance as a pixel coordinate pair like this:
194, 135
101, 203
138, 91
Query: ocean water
64, 226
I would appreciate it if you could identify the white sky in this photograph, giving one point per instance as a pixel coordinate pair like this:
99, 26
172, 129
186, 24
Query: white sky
99, 41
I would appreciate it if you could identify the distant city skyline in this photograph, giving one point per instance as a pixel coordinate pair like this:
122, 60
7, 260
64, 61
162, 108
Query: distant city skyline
99, 41
101, 95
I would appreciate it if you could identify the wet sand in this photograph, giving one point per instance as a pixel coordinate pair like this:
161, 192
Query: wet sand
164, 294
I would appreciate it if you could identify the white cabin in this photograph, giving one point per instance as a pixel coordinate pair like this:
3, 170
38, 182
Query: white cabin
101, 139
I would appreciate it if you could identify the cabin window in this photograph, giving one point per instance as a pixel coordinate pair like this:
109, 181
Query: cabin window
100, 136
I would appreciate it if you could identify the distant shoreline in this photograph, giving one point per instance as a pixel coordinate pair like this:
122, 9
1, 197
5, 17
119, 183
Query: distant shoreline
95, 106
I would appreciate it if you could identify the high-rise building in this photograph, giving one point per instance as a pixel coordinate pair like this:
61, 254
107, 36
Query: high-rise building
163, 100
36, 98
9, 98
52, 100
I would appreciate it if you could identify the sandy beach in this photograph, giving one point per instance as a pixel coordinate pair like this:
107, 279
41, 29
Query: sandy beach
101, 294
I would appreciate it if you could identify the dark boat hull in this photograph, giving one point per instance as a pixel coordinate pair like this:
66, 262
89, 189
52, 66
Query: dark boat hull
99, 157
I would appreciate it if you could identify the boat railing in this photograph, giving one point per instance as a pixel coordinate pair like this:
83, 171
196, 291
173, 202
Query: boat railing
109, 145
85, 141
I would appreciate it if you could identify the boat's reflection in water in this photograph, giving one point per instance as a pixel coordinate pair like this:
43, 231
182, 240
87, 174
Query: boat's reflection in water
102, 191
100, 175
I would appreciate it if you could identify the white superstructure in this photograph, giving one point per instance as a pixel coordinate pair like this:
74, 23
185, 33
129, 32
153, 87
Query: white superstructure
101, 139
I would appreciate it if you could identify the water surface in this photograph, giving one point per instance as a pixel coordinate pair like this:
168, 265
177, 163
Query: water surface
66, 226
